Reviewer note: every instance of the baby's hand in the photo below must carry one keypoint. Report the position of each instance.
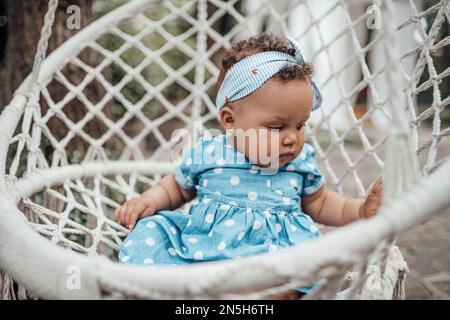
(134, 209)
(373, 200)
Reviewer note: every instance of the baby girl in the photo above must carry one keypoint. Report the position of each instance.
(253, 193)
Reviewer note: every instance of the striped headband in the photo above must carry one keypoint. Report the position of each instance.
(250, 73)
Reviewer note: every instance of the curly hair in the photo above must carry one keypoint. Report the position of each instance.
(265, 41)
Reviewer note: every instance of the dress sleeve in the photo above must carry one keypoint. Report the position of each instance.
(313, 179)
(186, 171)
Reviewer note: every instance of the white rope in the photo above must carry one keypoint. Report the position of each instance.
(46, 32)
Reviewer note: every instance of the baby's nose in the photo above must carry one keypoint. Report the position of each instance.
(290, 139)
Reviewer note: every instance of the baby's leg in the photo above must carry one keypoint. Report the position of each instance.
(151, 242)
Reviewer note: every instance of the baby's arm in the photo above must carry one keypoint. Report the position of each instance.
(167, 194)
(330, 208)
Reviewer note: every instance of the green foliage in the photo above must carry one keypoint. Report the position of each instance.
(152, 72)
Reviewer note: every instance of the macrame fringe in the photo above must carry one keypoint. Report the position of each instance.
(7, 287)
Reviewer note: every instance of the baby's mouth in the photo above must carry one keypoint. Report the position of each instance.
(286, 156)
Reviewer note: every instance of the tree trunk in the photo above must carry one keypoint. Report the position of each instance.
(25, 20)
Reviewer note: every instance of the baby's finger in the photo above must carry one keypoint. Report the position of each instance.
(117, 214)
(126, 215)
(132, 217)
(378, 186)
(122, 213)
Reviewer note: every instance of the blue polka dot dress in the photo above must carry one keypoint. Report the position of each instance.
(240, 210)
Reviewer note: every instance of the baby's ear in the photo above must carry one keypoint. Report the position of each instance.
(227, 117)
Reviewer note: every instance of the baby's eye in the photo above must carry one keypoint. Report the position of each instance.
(300, 126)
(274, 128)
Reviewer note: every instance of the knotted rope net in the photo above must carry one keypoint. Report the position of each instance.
(156, 68)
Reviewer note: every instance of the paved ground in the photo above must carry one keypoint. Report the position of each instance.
(426, 248)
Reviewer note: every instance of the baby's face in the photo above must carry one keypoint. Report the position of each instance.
(276, 114)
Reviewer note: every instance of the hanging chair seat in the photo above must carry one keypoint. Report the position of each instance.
(47, 269)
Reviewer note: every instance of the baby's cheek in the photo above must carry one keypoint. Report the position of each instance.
(273, 144)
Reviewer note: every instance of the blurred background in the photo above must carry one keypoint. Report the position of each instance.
(426, 247)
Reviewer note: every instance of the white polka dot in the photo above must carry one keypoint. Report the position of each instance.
(217, 170)
(217, 193)
(150, 241)
(293, 228)
(310, 176)
(184, 248)
(253, 170)
(198, 255)
(221, 246)
(279, 192)
(249, 210)
(240, 235)
(193, 240)
(229, 222)
(151, 224)
(302, 156)
(310, 190)
(205, 182)
(225, 207)
(210, 148)
(273, 248)
(195, 202)
(278, 227)
(210, 234)
(267, 213)
(148, 261)
(286, 200)
(290, 167)
(257, 224)
(252, 195)
(220, 162)
(282, 214)
(268, 183)
(206, 200)
(172, 251)
(128, 243)
(173, 230)
(188, 161)
(159, 217)
(268, 242)
(189, 223)
(209, 218)
(313, 228)
(125, 258)
(293, 182)
(234, 180)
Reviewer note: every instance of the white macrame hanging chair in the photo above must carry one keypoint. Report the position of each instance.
(46, 209)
